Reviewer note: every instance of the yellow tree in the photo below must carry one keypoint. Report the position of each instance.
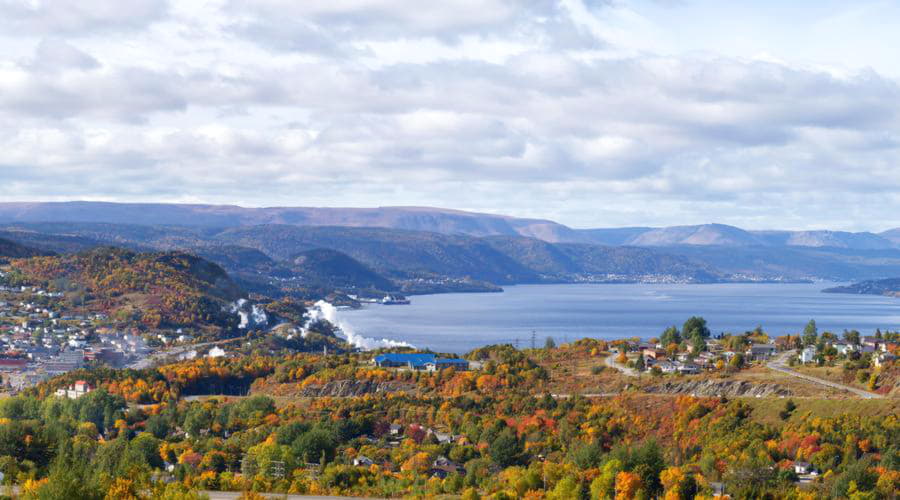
(627, 485)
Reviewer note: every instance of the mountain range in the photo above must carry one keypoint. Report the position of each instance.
(425, 249)
(436, 220)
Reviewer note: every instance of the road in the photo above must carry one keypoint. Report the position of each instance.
(610, 361)
(233, 495)
(779, 364)
(162, 354)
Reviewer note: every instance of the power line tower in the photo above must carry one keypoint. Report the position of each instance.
(533, 333)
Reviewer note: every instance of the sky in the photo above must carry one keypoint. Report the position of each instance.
(593, 113)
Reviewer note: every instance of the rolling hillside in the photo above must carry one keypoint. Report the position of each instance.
(13, 250)
(889, 287)
(157, 289)
(329, 268)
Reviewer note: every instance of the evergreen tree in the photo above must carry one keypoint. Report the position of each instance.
(670, 336)
(695, 325)
(639, 364)
(810, 333)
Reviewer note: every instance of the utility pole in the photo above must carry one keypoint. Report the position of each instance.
(517, 343)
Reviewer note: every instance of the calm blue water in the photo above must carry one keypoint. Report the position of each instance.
(461, 322)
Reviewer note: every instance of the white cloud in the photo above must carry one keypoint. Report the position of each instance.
(504, 106)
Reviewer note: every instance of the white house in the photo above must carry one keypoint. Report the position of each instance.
(881, 359)
(808, 355)
(802, 468)
(845, 349)
(80, 388)
(216, 352)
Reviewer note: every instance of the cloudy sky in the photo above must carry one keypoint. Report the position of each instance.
(594, 113)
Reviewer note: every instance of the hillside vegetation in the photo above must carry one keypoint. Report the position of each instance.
(155, 289)
(337, 425)
(11, 249)
(890, 287)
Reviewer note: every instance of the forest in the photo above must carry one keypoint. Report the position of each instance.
(491, 433)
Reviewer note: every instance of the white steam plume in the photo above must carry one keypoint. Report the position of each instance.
(324, 310)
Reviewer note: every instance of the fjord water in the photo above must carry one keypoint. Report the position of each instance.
(461, 322)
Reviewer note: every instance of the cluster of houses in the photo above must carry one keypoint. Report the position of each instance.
(441, 467)
(422, 361)
(689, 362)
(38, 340)
(880, 350)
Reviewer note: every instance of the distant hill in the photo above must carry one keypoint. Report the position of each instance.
(401, 254)
(50, 243)
(13, 250)
(890, 287)
(410, 218)
(892, 235)
(389, 252)
(831, 239)
(327, 267)
(794, 263)
(157, 289)
(706, 235)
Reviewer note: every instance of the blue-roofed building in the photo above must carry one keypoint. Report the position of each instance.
(418, 361)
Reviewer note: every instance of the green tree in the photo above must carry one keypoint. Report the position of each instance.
(588, 456)
(671, 335)
(549, 343)
(851, 336)
(604, 485)
(698, 344)
(506, 449)
(315, 444)
(695, 325)
(639, 363)
(810, 333)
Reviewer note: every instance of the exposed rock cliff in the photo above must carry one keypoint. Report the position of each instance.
(729, 388)
(352, 388)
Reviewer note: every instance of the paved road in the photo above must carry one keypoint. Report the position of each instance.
(158, 356)
(779, 364)
(232, 495)
(610, 361)
(587, 395)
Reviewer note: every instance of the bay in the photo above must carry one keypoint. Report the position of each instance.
(461, 322)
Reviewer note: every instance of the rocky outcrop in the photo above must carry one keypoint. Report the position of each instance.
(730, 388)
(353, 388)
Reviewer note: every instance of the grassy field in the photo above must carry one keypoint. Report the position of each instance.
(766, 410)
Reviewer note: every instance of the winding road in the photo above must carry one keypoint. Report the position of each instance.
(779, 364)
(610, 361)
